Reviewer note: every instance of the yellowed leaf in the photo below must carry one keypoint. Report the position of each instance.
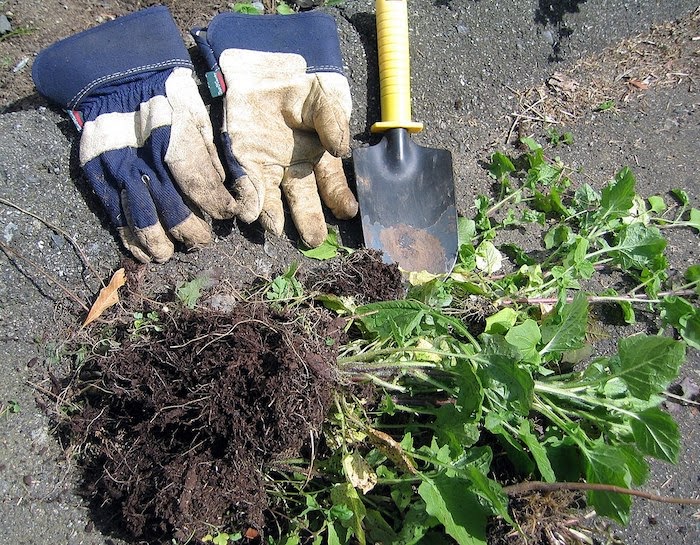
(392, 450)
(359, 472)
(108, 296)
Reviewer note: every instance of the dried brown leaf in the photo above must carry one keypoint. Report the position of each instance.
(108, 297)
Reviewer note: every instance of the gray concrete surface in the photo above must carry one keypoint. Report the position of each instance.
(469, 57)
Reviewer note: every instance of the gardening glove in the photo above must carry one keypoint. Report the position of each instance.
(286, 115)
(145, 133)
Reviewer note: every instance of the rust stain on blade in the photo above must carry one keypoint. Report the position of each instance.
(413, 249)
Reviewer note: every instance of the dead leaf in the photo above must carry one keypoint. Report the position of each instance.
(108, 297)
(359, 472)
(251, 533)
(639, 84)
(391, 449)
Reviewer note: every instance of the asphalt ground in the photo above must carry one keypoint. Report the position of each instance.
(472, 63)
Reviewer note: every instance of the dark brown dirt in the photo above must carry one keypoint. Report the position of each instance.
(176, 423)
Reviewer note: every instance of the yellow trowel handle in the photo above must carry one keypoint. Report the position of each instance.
(394, 67)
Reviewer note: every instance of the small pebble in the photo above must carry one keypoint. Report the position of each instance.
(5, 25)
(27, 480)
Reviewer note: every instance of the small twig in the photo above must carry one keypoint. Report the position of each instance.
(58, 230)
(11, 251)
(532, 486)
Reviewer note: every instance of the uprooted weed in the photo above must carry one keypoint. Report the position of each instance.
(176, 415)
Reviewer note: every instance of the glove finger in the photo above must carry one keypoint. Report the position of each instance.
(268, 178)
(299, 186)
(108, 175)
(191, 153)
(176, 217)
(250, 190)
(332, 107)
(333, 187)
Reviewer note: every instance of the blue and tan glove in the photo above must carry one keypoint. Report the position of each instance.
(146, 143)
(287, 110)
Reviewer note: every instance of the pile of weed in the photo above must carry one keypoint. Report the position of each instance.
(179, 422)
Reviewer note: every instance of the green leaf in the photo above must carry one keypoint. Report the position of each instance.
(637, 246)
(684, 316)
(502, 321)
(681, 196)
(451, 501)
(345, 494)
(327, 250)
(657, 204)
(416, 523)
(694, 220)
(248, 8)
(284, 9)
(517, 254)
(500, 166)
(506, 384)
(656, 434)
(570, 332)
(649, 363)
(190, 292)
(692, 273)
(605, 465)
(617, 197)
(538, 451)
(525, 337)
(488, 258)
(466, 230)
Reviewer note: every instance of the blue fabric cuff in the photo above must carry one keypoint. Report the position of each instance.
(146, 41)
(313, 35)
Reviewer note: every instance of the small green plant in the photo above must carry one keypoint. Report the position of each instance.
(285, 287)
(10, 407)
(330, 248)
(606, 105)
(143, 323)
(258, 8)
(556, 139)
(189, 293)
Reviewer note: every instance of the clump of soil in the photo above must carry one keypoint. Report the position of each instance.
(185, 411)
(178, 425)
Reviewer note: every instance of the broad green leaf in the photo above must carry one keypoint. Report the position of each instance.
(507, 385)
(454, 428)
(502, 321)
(538, 451)
(681, 196)
(517, 254)
(637, 246)
(692, 273)
(656, 434)
(452, 502)
(657, 204)
(490, 491)
(488, 258)
(617, 197)
(570, 332)
(694, 220)
(525, 337)
(585, 197)
(345, 495)
(416, 523)
(378, 529)
(466, 230)
(327, 250)
(690, 329)
(649, 363)
(500, 166)
(605, 465)
(402, 319)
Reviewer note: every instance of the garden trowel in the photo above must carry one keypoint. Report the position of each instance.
(406, 191)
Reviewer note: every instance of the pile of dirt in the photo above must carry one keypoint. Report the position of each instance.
(177, 416)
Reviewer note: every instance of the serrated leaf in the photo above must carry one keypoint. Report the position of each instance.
(637, 246)
(649, 363)
(570, 332)
(328, 249)
(451, 501)
(617, 197)
(656, 434)
(605, 465)
(107, 297)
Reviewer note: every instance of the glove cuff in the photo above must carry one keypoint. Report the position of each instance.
(312, 35)
(146, 41)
